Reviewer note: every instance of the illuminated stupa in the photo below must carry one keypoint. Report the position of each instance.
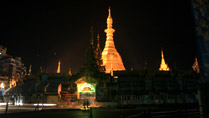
(163, 65)
(111, 58)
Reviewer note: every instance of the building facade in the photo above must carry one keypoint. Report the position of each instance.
(12, 70)
(157, 87)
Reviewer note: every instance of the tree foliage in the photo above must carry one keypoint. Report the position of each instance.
(93, 63)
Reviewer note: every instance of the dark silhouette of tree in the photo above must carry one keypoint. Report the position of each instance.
(93, 63)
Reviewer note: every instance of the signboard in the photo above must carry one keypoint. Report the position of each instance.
(86, 87)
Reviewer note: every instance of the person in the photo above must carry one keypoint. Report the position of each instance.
(87, 103)
(84, 104)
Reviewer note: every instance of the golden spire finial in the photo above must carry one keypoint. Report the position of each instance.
(109, 12)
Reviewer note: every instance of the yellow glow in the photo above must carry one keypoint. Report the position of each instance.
(2, 85)
(163, 65)
(81, 83)
(111, 58)
(12, 83)
(116, 77)
(58, 68)
(86, 87)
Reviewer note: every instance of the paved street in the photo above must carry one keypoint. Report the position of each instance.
(48, 114)
(55, 112)
(76, 112)
(16, 109)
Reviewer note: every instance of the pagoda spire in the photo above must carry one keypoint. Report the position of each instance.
(30, 68)
(98, 42)
(163, 65)
(109, 15)
(196, 66)
(98, 53)
(70, 72)
(110, 56)
(58, 68)
(109, 22)
(92, 35)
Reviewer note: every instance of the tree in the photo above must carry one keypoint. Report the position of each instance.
(93, 63)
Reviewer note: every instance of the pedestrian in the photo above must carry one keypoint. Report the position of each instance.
(84, 104)
(87, 103)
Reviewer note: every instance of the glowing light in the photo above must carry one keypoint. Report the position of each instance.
(12, 83)
(85, 108)
(110, 56)
(19, 103)
(2, 85)
(3, 104)
(44, 104)
(116, 77)
(86, 87)
(163, 65)
(58, 68)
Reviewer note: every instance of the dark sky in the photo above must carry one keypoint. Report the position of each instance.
(36, 30)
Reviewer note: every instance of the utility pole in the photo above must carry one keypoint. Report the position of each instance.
(7, 105)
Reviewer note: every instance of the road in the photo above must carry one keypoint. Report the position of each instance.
(52, 112)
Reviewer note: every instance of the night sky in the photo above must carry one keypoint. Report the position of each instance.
(42, 33)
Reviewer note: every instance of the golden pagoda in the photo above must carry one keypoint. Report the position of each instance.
(58, 68)
(110, 56)
(163, 65)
